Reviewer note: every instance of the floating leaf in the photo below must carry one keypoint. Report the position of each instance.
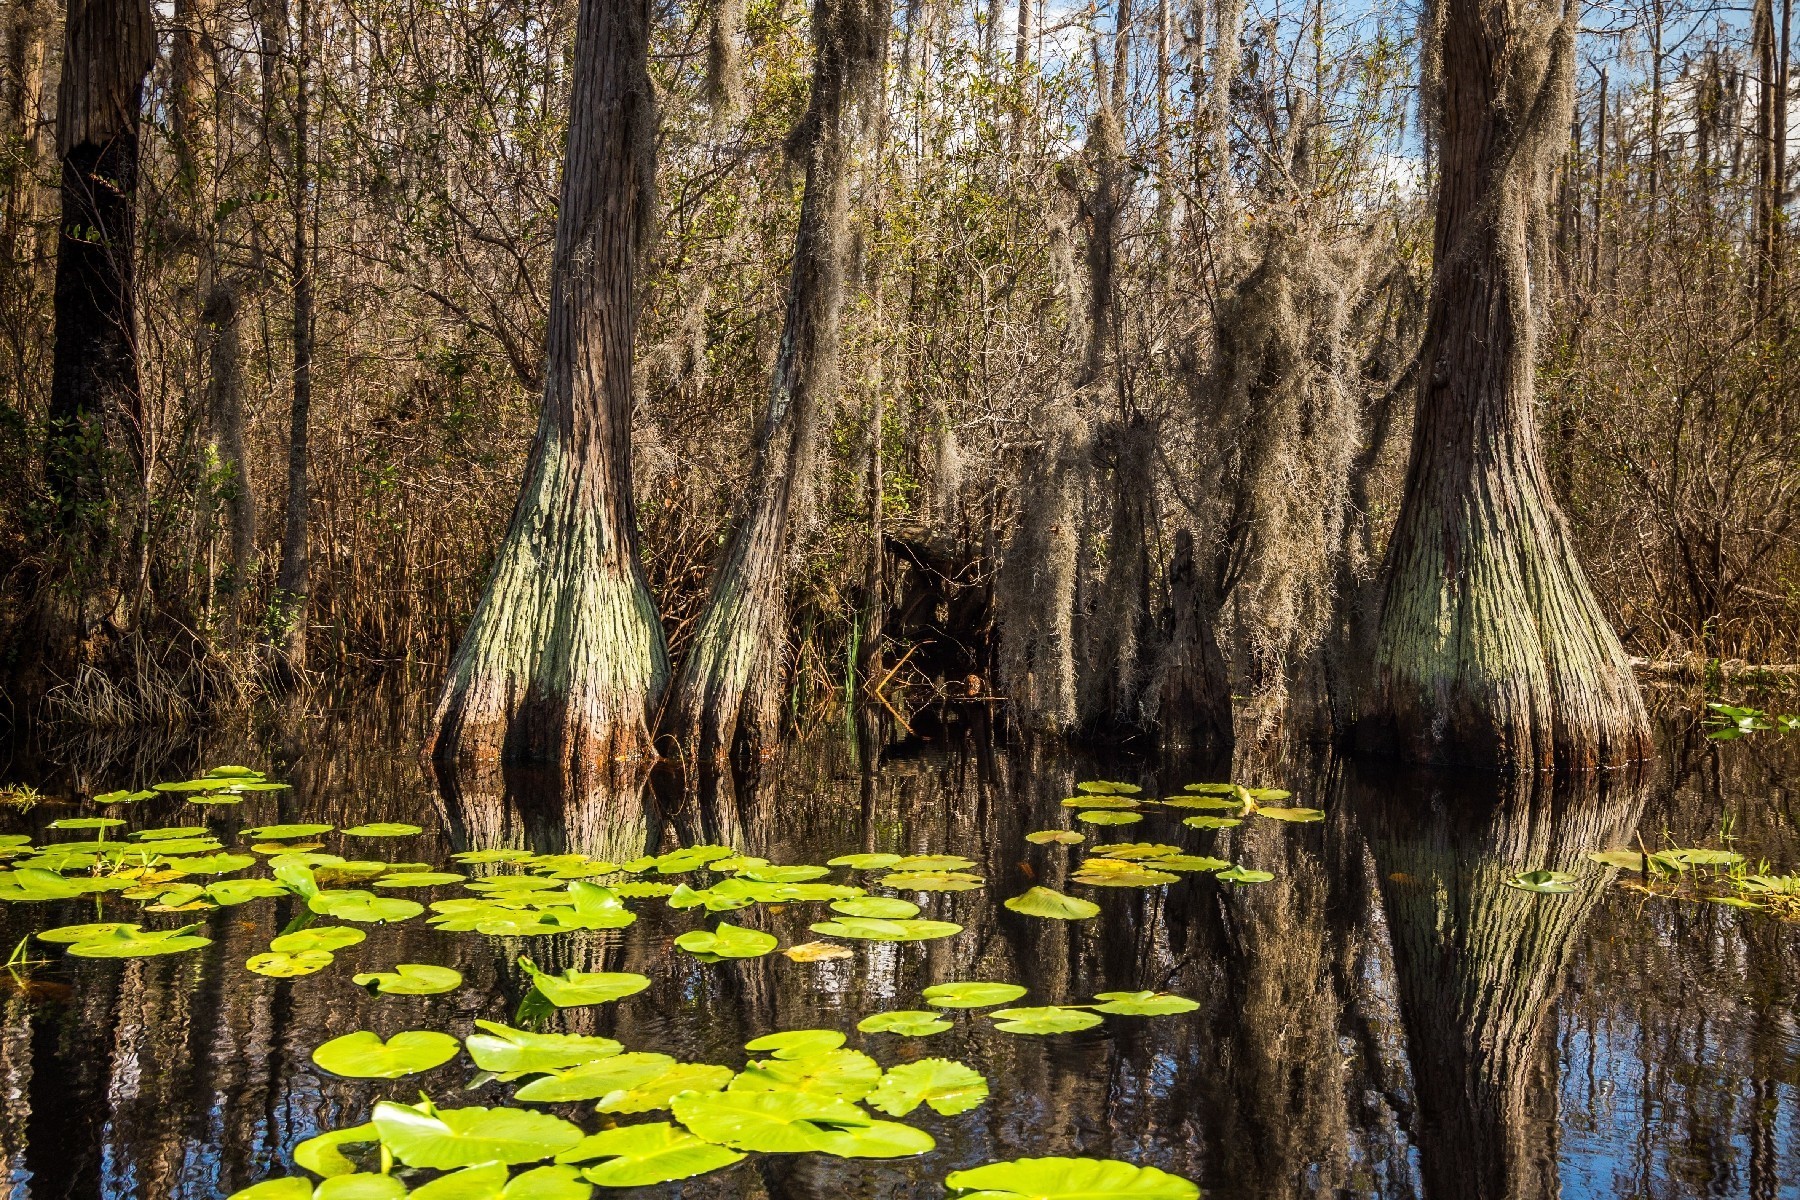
(1068, 1179)
(321, 1155)
(412, 979)
(817, 951)
(795, 1123)
(363, 1055)
(446, 1138)
(129, 941)
(888, 907)
(1098, 803)
(864, 862)
(282, 833)
(67, 935)
(727, 941)
(946, 1086)
(294, 1188)
(573, 989)
(318, 937)
(1295, 815)
(848, 1074)
(278, 965)
(1244, 875)
(1541, 880)
(379, 829)
(353, 904)
(1701, 858)
(934, 862)
(904, 1023)
(592, 1080)
(784, 874)
(1102, 817)
(1046, 902)
(1214, 803)
(1629, 860)
(1065, 837)
(875, 929)
(1143, 1004)
(210, 864)
(1211, 822)
(1111, 872)
(641, 1155)
(242, 891)
(932, 881)
(796, 1043)
(511, 1052)
(87, 823)
(690, 859)
(491, 856)
(1107, 787)
(971, 994)
(413, 879)
(361, 1186)
(658, 1093)
(1049, 1019)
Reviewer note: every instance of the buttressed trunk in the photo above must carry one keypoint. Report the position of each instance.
(729, 687)
(1492, 649)
(95, 426)
(564, 656)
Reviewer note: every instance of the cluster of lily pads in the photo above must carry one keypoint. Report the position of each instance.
(1715, 876)
(1728, 721)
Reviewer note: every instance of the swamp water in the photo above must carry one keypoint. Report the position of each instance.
(1394, 1012)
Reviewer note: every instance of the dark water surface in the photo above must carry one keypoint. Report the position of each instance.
(1385, 1018)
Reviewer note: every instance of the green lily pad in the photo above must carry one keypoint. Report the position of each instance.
(1060, 1018)
(887, 907)
(592, 1080)
(293, 1188)
(382, 829)
(784, 874)
(1143, 1004)
(123, 796)
(642, 1155)
(1212, 803)
(321, 1155)
(1212, 822)
(906, 1023)
(488, 1181)
(1108, 787)
(932, 881)
(412, 979)
(971, 994)
(796, 1043)
(317, 937)
(1244, 875)
(1107, 872)
(129, 941)
(864, 862)
(847, 1074)
(1629, 860)
(282, 833)
(1062, 837)
(1702, 858)
(934, 862)
(1542, 881)
(1098, 802)
(242, 891)
(946, 1086)
(491, 856)
(1103, 817)
(727, 941)
(447, 1138)
(1068, 1179)
(876, 929)
(1046, 902)
(1295, 815)
(278, 965)
(68, 935)
(414, 879)
(658, 1093)
(87, 823)
(795, 1123)
(206, 864)
(361, 1186)
(573, 989)
(363, 1055)
(353, 904)
(511, 1052)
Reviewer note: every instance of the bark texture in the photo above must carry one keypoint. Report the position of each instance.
(1493, 650)
(729, 692)
(95, 411)
(564, 657)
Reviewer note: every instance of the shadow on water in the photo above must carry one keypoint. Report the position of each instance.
(1384, 1018)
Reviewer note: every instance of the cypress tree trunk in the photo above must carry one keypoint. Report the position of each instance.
(95, 414)
(728, 691)
(565, 657)
(1492, 648)
(293, 578)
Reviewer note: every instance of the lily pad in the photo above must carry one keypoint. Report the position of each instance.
(282, 833)
(795, 1123)
(971, 994)
(87, 823)
(412, 979)
(1108, 872)
(1068, 1179)
(1143, 1004)
(381, 829)
(1046, 902)
(353, 904)
(68, 935)
(317, 937)
(1629, 860)
(906, 1023)
(363, 1055)
(242, 891)
(1049, 1019)
(1108, 787)
(1100, 802)
(864, 862)
(1542, 881)
(361, 1186)
(818, 951)
(487, 1181)
(321, 1155)
(947, 1087)
(934, 862)
(414, 879)
(1212, 822)
(932, 881)
(278, 965)
(642, 1155)
(847, 1074)
(1295, 815)
(602, 1077)
(727, 941)
(888, 907)
(446, 1138)
(796, 1043)
(1103, 817)
(660, 1092)
(512, 1052)
(573, 989)
(1214, 803)
(1244, 875)
(293, 1188)
(129, 941)
(876, 929)
(1062, 837)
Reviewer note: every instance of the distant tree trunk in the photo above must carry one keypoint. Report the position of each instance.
(293, 578)
(1492, 649)
(1192, 689)
(1762, 39)
(729, 686)
(95, 437)
(564, 658)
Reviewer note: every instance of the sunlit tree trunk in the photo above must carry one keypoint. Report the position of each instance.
(293, 577)
(95, 438)
(1493, 650)
(564, 657)
(730, 685)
